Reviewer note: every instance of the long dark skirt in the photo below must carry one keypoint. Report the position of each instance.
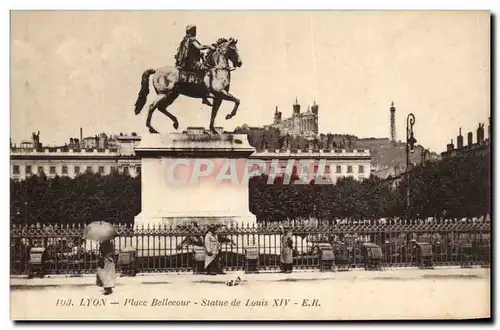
(214, 267)
(106, 275)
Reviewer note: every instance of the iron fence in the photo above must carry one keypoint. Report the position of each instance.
(169, 249)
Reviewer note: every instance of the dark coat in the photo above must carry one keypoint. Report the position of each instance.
(286, 256)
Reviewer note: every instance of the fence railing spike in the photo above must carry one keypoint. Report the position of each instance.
(155, 246)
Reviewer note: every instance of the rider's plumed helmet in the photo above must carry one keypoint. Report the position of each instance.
(191, 30)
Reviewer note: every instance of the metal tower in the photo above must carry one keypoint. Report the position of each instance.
(393, 122)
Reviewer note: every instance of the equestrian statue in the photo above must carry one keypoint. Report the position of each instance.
(200, 72)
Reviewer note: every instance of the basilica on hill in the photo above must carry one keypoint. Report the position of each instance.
(299, 124)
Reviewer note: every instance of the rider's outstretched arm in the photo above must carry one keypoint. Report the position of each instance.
(197, 44)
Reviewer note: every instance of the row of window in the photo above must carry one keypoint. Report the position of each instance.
(338, 168)
(100, 169)
(77, 169)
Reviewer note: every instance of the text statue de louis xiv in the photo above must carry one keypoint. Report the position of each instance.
(199, 72)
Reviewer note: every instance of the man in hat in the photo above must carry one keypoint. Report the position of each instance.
(189, 55)
(212, 246)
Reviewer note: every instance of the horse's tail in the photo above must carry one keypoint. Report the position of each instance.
(143, 93)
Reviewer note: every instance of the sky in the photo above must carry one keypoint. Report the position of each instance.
(83, 69)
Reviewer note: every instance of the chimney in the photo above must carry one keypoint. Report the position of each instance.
(489, 129)
(480, 134)
(469, 139)
(81, 134)
(450, 146)
(460, 139)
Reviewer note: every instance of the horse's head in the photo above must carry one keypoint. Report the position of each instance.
(228, 48)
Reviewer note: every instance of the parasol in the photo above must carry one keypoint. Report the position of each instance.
(100, 231)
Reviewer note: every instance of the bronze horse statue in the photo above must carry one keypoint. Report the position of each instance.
(215, 85)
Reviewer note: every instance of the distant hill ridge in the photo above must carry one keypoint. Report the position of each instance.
(385, 153)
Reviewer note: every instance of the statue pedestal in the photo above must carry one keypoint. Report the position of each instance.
(194, 177)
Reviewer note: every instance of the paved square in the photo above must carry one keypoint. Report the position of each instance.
(402, 293)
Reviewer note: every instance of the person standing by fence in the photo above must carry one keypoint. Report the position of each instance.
(106, 274)
(212, 246)
(286, 256)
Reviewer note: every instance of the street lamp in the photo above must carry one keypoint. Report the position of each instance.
(410, 143)
(26, 213)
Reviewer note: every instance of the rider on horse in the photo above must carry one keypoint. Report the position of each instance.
(170, 81)
(189, 55)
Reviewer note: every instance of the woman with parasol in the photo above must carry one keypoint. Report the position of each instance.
(104, 232)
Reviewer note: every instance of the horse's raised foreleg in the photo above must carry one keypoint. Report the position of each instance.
(215, 109)
(206, 102)
(225, 95)
(163, 108)
(208, 96)
(152, 108)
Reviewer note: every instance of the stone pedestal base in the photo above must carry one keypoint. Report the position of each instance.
(142, 221)
(194, 177)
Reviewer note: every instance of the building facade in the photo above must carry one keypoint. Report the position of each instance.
(481, 146)
(65, 161)
(303, 124)
(326, 164)
(70, 162)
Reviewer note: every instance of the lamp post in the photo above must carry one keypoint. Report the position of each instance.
(26, 213)
(410, 142)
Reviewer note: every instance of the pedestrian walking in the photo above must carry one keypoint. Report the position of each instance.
(106, 273)
(104, 232)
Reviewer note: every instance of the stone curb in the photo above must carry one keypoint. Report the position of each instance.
(186, 278)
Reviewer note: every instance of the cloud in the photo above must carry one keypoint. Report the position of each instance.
(122, 44)
(23, 52)
(88, 62)
(70, 51)
(77, 72)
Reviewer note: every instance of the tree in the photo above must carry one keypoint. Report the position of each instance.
(88, 197)
(458, 187)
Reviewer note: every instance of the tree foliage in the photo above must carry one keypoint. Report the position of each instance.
(459, 187)
(88, 197)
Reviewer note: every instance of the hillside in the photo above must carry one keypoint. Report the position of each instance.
(384, 152)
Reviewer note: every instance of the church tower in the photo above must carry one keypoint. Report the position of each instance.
(315, 109)
(277, 116)
(296, 108)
